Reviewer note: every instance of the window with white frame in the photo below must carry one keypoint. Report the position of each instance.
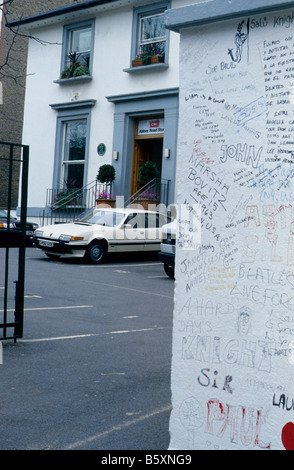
(74, 151)
(71, 146)
(77, 54)
(80, 43)
(150, 37)
(152, 34)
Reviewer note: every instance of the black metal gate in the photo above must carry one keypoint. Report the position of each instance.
(14, 160)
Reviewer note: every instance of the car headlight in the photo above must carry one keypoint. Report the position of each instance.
(69, 238)
(5, 225)
(64, 238)
(38, 233)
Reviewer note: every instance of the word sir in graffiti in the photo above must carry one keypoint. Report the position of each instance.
(205, 381)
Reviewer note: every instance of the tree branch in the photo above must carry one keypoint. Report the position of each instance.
(7, 69)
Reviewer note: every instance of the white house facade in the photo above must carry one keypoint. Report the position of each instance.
(108, 112)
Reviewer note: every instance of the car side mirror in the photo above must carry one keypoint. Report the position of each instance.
(127, 226)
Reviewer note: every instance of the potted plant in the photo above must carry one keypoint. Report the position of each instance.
(156, 57)
(148, 171)
(66, 194)
(74, 68)
(61, 198)
(106, 176)
(80, 71)
(141, 59)
(105, 199)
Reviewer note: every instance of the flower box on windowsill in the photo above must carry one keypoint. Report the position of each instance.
(146, 68)
(156, 59)
(137, 62)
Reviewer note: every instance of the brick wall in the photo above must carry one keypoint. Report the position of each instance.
(13, 79)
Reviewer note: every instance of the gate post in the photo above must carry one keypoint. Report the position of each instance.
(12, 238)
(20, 284)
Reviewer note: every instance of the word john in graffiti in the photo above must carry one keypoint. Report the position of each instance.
(243, 153)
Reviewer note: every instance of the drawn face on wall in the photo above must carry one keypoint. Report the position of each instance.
(271, 231)
(244, 320)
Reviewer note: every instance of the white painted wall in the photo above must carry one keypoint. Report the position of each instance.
(232, 380)
(39, 119)
(1, 58)
(112, 48)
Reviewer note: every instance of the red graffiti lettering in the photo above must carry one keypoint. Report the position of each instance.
(237, 422)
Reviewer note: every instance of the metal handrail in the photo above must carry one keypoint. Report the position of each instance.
(132, 199)
(72, 205)
(160, 188)
(81, 200)
(70, 195)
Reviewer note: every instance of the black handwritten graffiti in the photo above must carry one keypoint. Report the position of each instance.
(286, 403)
(242, 152)
(206, 381)
(240, 39)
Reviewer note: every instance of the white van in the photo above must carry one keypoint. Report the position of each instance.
(168, 248)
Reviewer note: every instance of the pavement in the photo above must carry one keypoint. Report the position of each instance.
(92, 371)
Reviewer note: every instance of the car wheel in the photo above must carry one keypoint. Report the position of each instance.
(169, 270)
(96, 252)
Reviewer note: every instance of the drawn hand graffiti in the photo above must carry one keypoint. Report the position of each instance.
(240, 39)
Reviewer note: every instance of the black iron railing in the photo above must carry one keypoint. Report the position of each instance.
(151, 194)
(64, 205)
(11, 324)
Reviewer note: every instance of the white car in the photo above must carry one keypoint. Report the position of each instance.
(104, 231)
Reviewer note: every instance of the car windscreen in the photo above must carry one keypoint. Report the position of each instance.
(108, 218)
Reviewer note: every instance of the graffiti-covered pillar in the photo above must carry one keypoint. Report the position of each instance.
(233, 334)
